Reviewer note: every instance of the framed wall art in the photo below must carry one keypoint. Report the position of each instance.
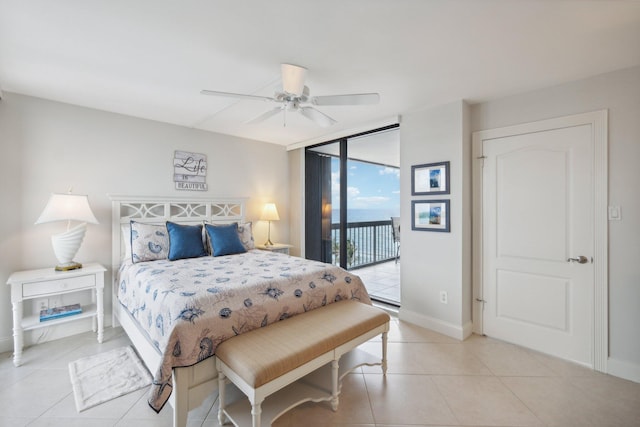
(430, 215)
(429, 179)
(190, 171)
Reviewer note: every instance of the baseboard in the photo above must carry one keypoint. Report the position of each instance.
(619, 368)
(459, 332)
(6, 344)
(467, 330)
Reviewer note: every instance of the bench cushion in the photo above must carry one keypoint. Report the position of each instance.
(267, 353)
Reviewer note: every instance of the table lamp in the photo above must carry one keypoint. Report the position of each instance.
(68, 207)
(269, 213)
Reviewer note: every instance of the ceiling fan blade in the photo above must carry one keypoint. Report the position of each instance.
(293, 78)
(236, 95)
(352, 99)
(320, 118)
(264, 116)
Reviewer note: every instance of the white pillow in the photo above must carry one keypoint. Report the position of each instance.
(149, 242)
(246, 235)
(126, 240)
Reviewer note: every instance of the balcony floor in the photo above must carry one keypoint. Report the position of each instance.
(382, 281)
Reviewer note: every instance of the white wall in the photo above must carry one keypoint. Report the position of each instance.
(48, 147)
(296, 196)
(433, 261)
(619, 92)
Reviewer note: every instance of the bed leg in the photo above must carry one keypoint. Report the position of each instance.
(180, 398)
(334, 384)
(384, 353)
(221, 398)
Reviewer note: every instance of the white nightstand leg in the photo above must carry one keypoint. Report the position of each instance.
(17, 333)
(100, 313)
(94, 319)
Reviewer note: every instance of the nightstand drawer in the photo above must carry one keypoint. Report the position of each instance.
(56, 286)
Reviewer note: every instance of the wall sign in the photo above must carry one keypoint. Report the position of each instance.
(190, 171)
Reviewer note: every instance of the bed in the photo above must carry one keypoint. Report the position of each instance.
(177, 311)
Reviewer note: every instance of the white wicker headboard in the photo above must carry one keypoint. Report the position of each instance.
(158, 210)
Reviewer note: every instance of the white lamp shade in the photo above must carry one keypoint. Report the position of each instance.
(270, 213)
(67, 207)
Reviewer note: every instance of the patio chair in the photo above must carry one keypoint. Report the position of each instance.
(395, 229)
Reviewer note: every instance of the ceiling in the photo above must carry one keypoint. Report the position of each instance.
(382, 148)
(151, 58)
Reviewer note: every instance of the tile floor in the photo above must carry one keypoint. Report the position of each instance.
(432, 380)
(382, 281)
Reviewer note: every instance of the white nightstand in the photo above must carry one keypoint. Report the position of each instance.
(47, 282)
(282, 248)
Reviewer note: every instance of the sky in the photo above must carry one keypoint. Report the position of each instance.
(369, 186)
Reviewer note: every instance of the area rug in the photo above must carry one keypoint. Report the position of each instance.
(105, 376)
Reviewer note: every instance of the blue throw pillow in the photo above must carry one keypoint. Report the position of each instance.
(224, 239)
(185, 241)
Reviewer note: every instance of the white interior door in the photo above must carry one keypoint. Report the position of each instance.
(537, 214)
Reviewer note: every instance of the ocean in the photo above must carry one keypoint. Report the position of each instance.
(371, 243)
(361, 215)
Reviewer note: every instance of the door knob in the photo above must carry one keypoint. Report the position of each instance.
(580, 260)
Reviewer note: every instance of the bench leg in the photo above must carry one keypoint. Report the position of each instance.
(334, 384)
(384, 353)
(221, 398)
(256, 412)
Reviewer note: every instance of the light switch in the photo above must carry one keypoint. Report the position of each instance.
(614, 213)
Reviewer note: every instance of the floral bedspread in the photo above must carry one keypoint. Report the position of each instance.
(187, 307)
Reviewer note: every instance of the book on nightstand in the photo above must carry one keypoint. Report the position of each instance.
(58, 312)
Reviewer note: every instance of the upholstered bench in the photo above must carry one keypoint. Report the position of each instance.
(266, 360)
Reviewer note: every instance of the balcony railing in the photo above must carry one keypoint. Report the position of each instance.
(368, 243)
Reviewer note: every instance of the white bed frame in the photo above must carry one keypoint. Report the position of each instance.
(191, 385)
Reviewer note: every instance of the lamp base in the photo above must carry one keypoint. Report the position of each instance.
(66, 245)
(68, 266)
(269, 242)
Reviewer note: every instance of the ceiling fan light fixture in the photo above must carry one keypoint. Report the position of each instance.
(293, 77)
(296, 97)
(291, 106)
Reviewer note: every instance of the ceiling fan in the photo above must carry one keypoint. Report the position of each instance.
(295, 97)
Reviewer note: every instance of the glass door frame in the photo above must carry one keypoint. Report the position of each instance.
(343, 150)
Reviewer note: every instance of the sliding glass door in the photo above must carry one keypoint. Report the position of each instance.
(373, 198)
(352, 192)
